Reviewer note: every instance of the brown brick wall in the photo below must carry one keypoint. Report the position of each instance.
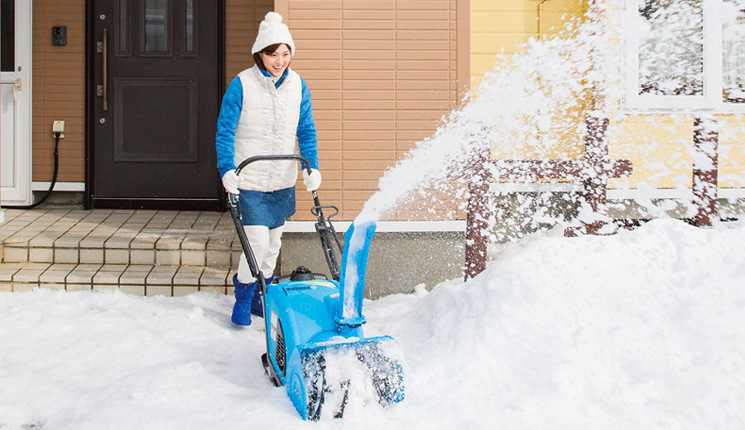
(381, 73)
(58, 89)
(242, 20)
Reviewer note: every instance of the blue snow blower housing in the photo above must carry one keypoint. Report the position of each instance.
(314, 338)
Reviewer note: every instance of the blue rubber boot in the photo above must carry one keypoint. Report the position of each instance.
(244, 294)
(257, 307)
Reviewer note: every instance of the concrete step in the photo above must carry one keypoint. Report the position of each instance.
(141, 252)
(140, 279)
(194, 250)
(180, 241)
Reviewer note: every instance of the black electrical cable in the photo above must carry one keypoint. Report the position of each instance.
(54, 178)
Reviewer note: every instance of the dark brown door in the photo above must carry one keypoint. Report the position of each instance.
(155, 89)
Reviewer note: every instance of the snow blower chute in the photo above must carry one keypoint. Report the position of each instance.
(314, 339)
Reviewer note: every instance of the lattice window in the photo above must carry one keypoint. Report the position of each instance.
(685, 54)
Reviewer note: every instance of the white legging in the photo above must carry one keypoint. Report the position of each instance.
(265, 244)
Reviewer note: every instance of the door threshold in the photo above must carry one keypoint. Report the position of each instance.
(179, 204)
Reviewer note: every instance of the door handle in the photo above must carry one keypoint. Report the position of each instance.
(102, 90)
(17, 86)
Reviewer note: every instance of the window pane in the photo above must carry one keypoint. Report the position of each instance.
(8, 35)
(733, 51)
(189, 42)
(123, 27)
(156, 29)
(671, 52)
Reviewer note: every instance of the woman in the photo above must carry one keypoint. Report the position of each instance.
(263, 111)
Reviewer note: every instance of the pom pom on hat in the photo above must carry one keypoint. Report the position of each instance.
(273, 18)
(271, 31)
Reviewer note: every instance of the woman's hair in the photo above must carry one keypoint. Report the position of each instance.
(269, 50)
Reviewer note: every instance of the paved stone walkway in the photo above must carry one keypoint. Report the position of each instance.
(142, 252)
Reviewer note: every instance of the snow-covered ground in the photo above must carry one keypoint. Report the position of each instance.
(642, 330)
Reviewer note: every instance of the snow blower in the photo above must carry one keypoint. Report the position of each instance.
(315, 345)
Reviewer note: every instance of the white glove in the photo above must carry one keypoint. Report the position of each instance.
(312, 180)
(230, 181)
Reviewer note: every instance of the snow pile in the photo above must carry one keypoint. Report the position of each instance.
(639, 330)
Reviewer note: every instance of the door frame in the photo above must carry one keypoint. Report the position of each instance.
(90, 97)
(21, 193)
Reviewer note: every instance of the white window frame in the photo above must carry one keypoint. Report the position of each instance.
(710, 101)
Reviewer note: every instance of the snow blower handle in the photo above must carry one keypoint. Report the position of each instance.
(287, 157)
(235, 212)
(329, 239)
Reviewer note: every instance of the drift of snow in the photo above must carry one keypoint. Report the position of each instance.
(640, 330)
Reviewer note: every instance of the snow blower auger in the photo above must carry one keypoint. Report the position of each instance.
(314, 339)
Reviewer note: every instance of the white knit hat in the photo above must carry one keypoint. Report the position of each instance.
(271, 31)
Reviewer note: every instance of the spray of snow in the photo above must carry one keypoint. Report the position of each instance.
(534, 103)
(525, 105)
(521, 104)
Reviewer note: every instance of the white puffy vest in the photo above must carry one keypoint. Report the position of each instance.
(267, 126)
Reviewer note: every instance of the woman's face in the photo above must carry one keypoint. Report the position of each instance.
(276, 63)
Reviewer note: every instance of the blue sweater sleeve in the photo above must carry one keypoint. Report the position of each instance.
(227, 121)
(306, 129)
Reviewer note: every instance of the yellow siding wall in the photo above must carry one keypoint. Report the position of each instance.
(660, 147)
(656, 144)
(242, 20)
(504, 25)
(553, 14)
(58, 89)
(731, 151)
(496, 26)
